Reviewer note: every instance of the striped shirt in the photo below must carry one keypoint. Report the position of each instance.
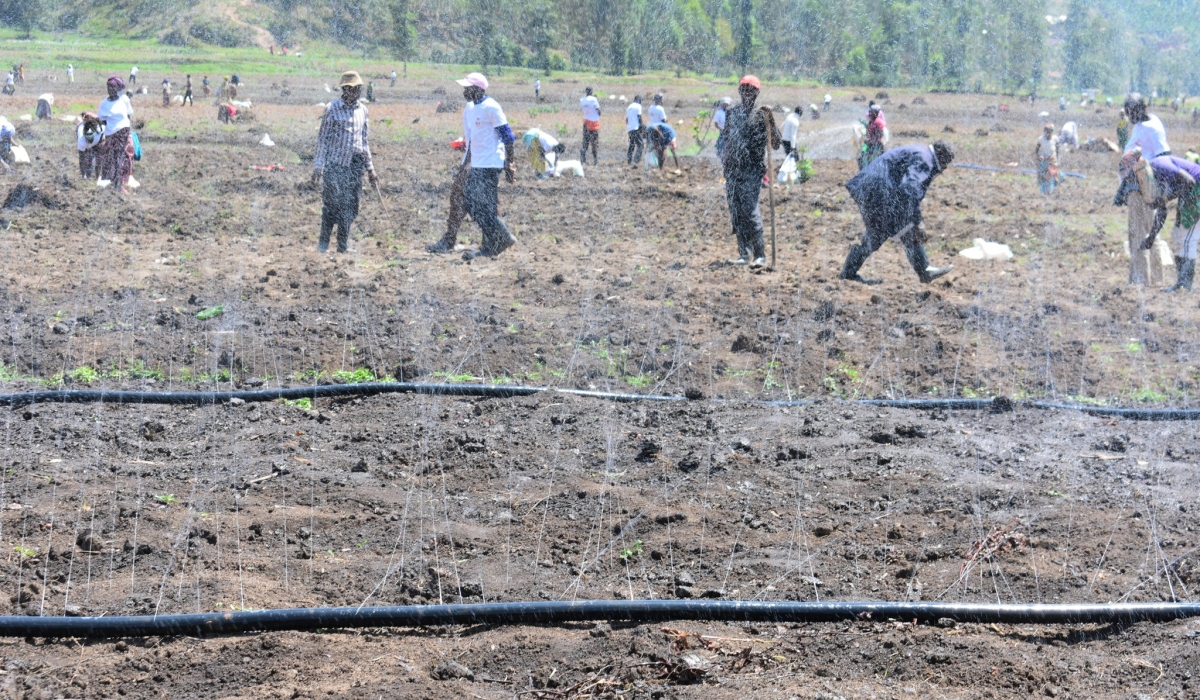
(343, 134)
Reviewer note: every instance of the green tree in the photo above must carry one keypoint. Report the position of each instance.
(744, 53)
(541, 33)
(404, 33)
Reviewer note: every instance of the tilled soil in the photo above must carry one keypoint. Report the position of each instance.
(618, 283)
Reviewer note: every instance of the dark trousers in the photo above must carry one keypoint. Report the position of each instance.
(637, 143)
(590, 138)
(187, 97)
(741, 194)
(339, 199)
(787, 148)
(88, 163)
(482, 194)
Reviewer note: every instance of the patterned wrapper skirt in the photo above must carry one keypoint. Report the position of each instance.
(116, 157)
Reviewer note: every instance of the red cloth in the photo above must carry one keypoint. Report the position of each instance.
(591, 125)
(875, 129)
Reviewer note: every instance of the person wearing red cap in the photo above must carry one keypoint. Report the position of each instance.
(489, 151)
(743, 160)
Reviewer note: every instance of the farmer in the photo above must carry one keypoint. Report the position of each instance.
(541, 145)
(88, 136)
(45, 102)
(791, 130)
(116, 149)
(1122, 130)
(458, 205)
(635, 129)
(537, 90)
(590, 105)
(872, 146)
(343, 154)
(227, 113)
(70, 73)
(1179, 179)
(166, 92)
(747, 130)
(393, 77)
(7, 132)
(133, 75)
(828, 99)
(1148, 140)
(1062, 104)
(489, 150)
(1046, 152)
(1147, 131)
(370, 93)
(889, 194)
(720, 112)
(10, 87)
(662, 136)
(1068, 135)
(204, 86)
(187, 92)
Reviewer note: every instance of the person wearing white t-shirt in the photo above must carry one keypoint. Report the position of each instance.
(116, 150)
(489, 141)
(590, 105)
(133, 75)
(719, 115)
(1146, 130)
(828, 99)
(636, 131)
(70, 73)
(88, 135)
(790, 131)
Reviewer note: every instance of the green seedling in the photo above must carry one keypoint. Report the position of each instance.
(211, 312)
(167, 499)
(25, 552)
(631, 552)
(305, 404)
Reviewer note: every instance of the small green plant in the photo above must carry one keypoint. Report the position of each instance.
(640, 381)
(631, 552)
(83, 375)
(167, 499)
(304, 403)
(211, 312)
(25, 552)
(357, 376)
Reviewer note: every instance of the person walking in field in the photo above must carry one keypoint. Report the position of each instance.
(133, 73)
(1046, 152)
(791, 130)
(166, 92)
(537, 90)
(889, 193)
(635, 129)
(187, 91)
(116, 148)
(204, 87)
(828, 101)
(749, 131)
(590, 105)
(1177, 179)
(343, 155)
(873, 144)
(489, 140)
(720, 111)
(393, 77)
(70, 73)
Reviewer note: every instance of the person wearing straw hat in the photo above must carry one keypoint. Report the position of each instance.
(489, 141)
(343, 155)
(747, 130)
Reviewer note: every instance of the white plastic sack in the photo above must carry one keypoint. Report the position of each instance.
(20, 155)
(241, 105)
(568, 166)
(787, 171)
(178, 99)
(987, 250)
(266, 140)
(26, 117)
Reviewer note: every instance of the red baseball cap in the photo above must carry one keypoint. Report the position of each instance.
(753, 81)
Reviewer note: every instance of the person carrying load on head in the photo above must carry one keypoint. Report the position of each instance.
(544, 151)
(889, 194)
(88, 135)
(749, 132)
(1046, 151)
(343, 155)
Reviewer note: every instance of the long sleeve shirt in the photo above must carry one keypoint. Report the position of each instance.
(342, 135)
(889, 190)
(746, 141)
(1151, 135)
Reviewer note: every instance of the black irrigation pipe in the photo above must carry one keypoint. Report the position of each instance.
(510, 390)
(536, 613)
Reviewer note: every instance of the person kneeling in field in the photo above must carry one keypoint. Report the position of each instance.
(889, 193)
(227, 113)
(541, 145)
(1174, 178)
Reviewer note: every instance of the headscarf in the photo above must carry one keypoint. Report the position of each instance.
(116, 82)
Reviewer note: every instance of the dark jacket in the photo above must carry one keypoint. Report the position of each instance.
(889, 190)
(745, 142)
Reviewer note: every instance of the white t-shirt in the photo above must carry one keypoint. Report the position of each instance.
(479, 129)
(633, 115)
(133, 71)
(6, 129)
(591, 108)
(1069, 134)
(1150, 135)
(828, 98)
(658, 115)
(81, 141)
(791, 125)
(1047, 147)
(115, 113)
(719, 119)
(548, 142)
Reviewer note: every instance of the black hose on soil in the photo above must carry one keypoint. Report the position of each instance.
(535, 613)
(998, 404)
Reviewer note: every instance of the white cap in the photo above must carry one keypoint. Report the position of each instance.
(474, 79)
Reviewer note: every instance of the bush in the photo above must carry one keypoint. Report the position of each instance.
(174, 38)
(220, 33)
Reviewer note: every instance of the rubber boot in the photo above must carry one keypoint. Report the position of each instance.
(1185, 272)
(854, 260)
(920, 262)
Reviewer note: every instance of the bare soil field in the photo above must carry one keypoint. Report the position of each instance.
(620, 283)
